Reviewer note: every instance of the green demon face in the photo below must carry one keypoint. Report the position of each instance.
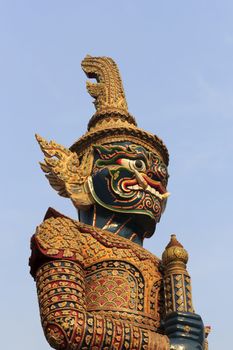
(127, 178)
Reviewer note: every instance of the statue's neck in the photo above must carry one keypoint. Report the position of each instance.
(124, 225)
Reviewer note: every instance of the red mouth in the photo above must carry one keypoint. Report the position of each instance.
(155, 184)
(152, 183)
(129, 182)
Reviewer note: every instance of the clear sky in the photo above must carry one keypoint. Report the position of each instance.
(176, 61)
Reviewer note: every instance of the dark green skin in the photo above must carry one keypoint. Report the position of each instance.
(112, 199)
(109, 177)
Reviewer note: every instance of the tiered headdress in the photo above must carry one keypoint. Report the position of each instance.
(112, 122)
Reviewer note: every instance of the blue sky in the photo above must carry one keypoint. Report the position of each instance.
(176, 61)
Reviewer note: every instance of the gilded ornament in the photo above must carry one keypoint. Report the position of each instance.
(66, 173)
(174, 253)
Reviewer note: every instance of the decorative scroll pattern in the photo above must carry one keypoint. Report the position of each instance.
(126, 178)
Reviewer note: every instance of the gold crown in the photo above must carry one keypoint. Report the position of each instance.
(112, 122)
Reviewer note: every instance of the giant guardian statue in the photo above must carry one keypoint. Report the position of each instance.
(98, 288)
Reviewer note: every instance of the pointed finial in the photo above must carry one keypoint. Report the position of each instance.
(174, 253)
(108, 90)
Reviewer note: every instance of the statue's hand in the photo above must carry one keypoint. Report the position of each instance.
(185, 331)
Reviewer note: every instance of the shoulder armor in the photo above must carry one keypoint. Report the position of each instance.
(60, 238)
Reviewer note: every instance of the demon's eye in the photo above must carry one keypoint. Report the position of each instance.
(137, 164)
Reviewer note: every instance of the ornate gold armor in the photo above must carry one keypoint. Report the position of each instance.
(103, 288)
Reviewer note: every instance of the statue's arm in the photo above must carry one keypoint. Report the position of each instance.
(67, 324)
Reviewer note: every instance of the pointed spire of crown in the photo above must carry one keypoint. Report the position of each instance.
(108, 91)
(112, 122)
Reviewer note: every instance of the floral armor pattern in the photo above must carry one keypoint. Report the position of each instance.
(96, 290)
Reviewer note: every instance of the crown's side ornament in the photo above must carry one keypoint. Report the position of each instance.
(98, 288)
(66, 173)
